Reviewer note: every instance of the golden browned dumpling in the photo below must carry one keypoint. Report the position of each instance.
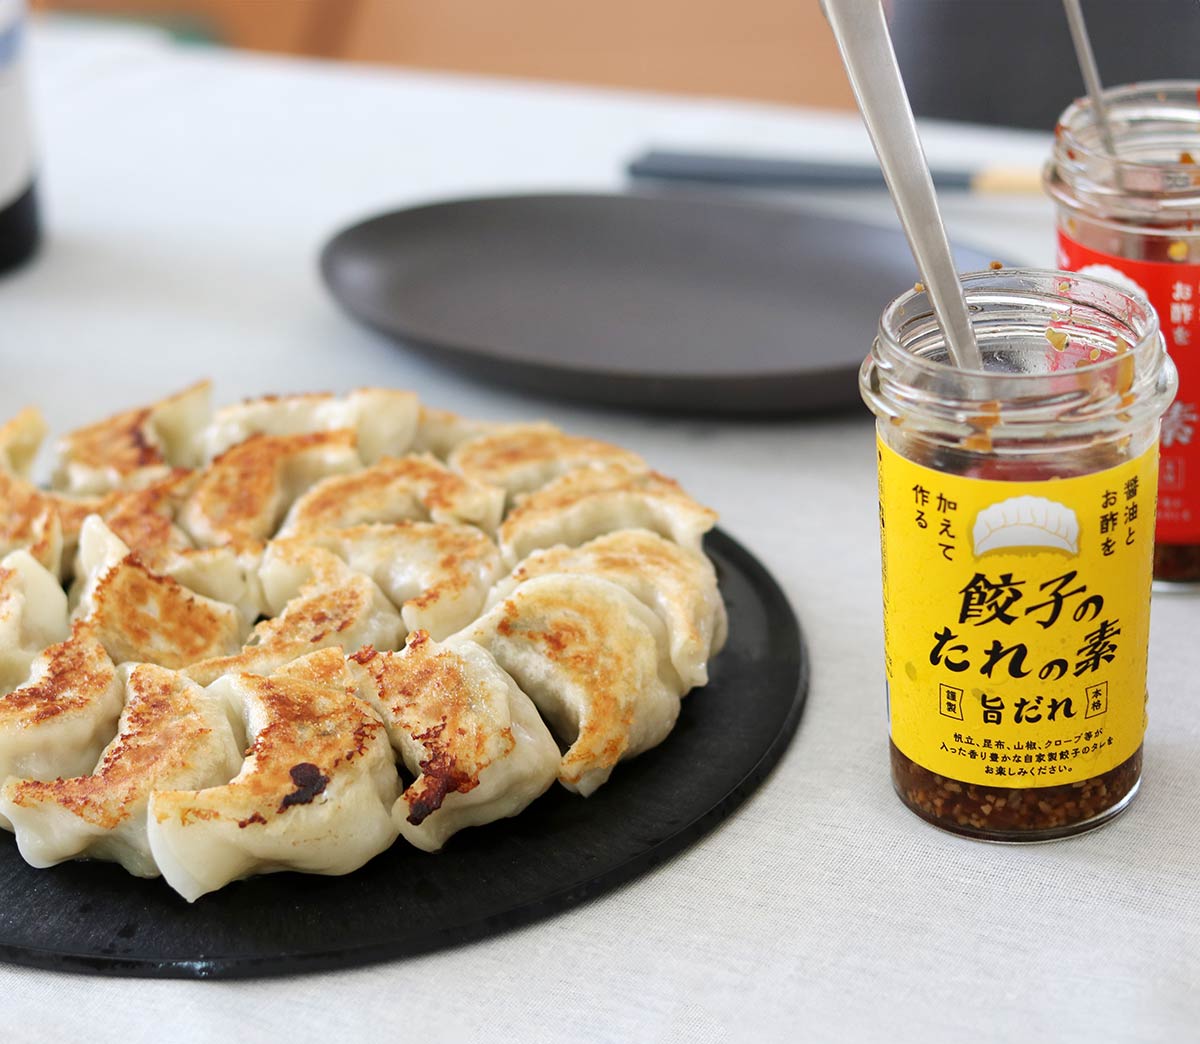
(172, 734)
(594, 661)
(315, 792)
(383, 420)
(436, 575)
(136, 446)
(140, 615)
(416, 487)
(251, 575)
(243, 495)
(524, 457)
(472, 739)
(440, 431)
(589, 502)
(44, 524)
(57, 723)
(144, 520)
(678, 584)
(316, 602)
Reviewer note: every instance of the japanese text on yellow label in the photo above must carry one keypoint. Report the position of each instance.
(1016, 620)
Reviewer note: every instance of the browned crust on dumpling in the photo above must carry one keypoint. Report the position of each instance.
(144, 519)
(428, 694)
(141, 518)
(79, 672)
(457, 550)
(569, 488)
(431, 483)
(490, 457)
(308, 725)
(143, 616)
(237, 490)
(312, 729)
(585, 639)
(585, 483)
(311, 620)
(24, 509)
(626, 552)
(161, 730)
(120, 443)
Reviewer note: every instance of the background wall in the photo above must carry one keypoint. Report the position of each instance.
(773, 50)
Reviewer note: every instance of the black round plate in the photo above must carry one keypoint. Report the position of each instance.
(93, 917)
(671, 303)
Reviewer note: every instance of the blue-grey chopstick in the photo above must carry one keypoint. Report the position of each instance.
(772, 172)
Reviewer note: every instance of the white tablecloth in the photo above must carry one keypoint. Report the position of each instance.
(187, 193)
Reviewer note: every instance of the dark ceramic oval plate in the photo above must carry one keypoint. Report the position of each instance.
(93, 917)
(671, 303)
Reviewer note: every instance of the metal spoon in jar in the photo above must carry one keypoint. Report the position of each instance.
(862, 37)
(1091, 72)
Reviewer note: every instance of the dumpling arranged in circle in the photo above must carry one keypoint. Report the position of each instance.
(285, 634)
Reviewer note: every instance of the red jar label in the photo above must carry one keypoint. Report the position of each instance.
(1174, 290)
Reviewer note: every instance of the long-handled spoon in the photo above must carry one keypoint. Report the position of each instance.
(862, 36)
(1091, 74)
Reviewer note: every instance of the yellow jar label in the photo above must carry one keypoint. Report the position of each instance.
(1016, 619)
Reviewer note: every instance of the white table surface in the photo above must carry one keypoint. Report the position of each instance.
(187, 193)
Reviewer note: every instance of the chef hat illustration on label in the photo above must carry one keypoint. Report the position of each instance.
(1033, 523)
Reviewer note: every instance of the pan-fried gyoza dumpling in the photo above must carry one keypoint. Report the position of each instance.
(394, 490)
(134, 447)
(243, 495)
(316, 602)
(589, 502)
(678, 584)
(33, 615)
(315, 792)
(172, 735)
(44, 524)
(524, 457)
(440, 431)
(384, 420)
(20, 439)
(57, 723)
(144, 521)
(473, 740)
(436, 575)
(593, 659)
(142, 616)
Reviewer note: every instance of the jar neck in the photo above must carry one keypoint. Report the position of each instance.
(1064, 356)
(1153, 179)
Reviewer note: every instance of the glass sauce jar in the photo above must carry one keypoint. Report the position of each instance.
(1017, 523)
(1136, 219)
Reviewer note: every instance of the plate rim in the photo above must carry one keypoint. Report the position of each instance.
(762, 393)
(675, 199)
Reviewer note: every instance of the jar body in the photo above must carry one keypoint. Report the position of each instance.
(1137, 220)
(1016, 511)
